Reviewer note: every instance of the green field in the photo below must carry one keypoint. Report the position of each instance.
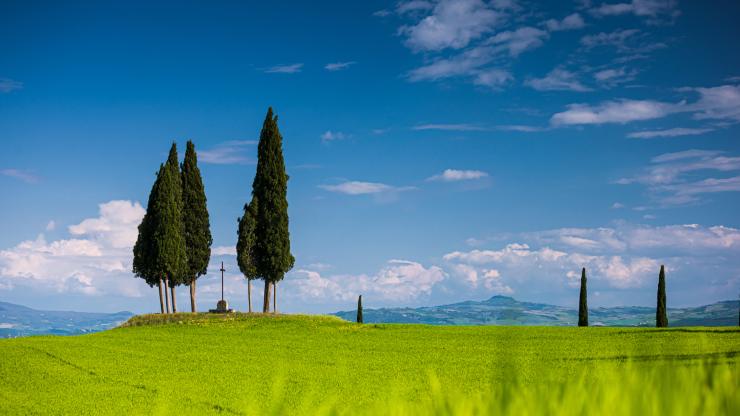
(244, 364)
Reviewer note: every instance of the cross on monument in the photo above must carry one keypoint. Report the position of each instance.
(222, 306)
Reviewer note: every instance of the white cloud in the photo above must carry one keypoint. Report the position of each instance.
(642, 8)
(520, 40)
(117, 225)
(558, 80)
(224, 251)
(414, 6)
(454, 175)
(338, 66)
(492, 77)
(452, 24)
(571, 22)
(8, 85)
(227, 153)
(329, 136)
(674, 132)
(466, 64)
(96, 261)
(616, 39)
(614, 76)
(621, 111)
(362, 188)
(717, 103)
(284, 69)
(398, 281)
(51, 225)
(23, 175)
(449, 127)
(522, 128)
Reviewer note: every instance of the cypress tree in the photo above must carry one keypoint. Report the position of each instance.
(582, 304)
(270, 188)
(170, 259)
(359, 310)
(195, 220)
(245, 246)
(661, 317)
(143, 265)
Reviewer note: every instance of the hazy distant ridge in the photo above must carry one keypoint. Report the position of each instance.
(504, 310)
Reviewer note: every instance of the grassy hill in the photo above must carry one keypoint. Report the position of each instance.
(242, 364)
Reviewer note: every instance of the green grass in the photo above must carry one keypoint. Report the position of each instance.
(241, 364)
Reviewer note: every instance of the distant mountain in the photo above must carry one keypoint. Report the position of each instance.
(19, 321)
(504, 310)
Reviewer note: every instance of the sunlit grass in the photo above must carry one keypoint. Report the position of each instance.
(255, 364)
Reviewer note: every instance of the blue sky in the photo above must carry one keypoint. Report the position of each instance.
(438, 151)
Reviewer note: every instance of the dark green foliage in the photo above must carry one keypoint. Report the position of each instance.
(270, 187)
(582, 304)
(661, 317)
(245, 245)
(195, 219)
(170, 257)
(143, 263)
(359, 310)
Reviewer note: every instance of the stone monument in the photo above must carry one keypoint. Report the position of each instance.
(222, 306)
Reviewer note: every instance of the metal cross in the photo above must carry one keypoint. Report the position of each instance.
(222, 280)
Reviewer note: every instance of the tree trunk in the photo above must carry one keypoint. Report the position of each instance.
(174, 305)
(192, 296)
(274, 298)
(249, 294)
(161, 301)
(166, 293)
(266, 298)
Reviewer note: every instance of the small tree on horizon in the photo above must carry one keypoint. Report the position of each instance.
(245, 246)
(270, 187)
(196, 222)
(359, 310)
(661, 317)
(582, 304)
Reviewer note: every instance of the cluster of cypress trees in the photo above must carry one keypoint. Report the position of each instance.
(263, 244)
(174, 242)
(661, 315)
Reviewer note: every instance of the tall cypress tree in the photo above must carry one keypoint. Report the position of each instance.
(143, 263)
(359, 310)
(195, 220)
(661, 317)
(270, 188)
(582, 304)
(245, 246)
(170, 259)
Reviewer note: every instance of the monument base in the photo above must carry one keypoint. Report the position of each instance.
(221, 307)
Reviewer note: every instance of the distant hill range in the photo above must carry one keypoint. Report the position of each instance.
(504, 310)
(20, 321)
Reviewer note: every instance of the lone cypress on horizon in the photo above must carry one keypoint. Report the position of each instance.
(359, 310)
(582, 304)
(661, 317)
(270, 187)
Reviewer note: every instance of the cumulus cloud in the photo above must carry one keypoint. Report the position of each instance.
(224, 251)
(397, 281)
(451, 24)
(97, 260)
(519, 40)
(558, 80)
(652, 9)
(454, 175)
